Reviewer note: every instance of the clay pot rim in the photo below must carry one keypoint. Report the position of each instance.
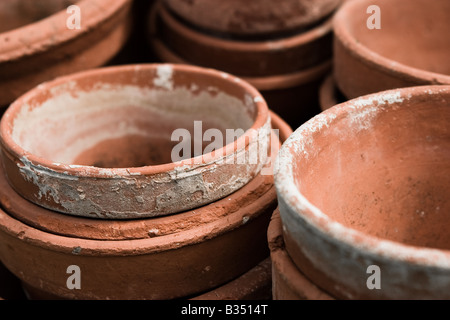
(370, 57)
(301, 208)
(326, 93)
(88, 247)
(55, 24)
(267, 83)
(236, 45)
(10, 146)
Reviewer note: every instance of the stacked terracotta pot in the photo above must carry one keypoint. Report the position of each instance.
(92, 178)
(284, 49)
(374, 50)
(363, 187)
(40, 40)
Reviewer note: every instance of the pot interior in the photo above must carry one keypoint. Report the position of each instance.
(132, 118)
(17, 13)
(384, 171)
(414, 33)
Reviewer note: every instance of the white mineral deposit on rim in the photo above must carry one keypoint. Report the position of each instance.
(295, 147)
(164, 77)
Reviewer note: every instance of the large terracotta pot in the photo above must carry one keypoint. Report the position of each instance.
(37, 45)
(410, 48)
(364, 185)
(252, 18)
(100, 143)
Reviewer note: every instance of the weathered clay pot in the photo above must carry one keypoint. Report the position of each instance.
(40, 50)
(99, 143)
(402, 53)
(243, 58)
(293, 96)
(366, 184)
(175, 258)
(252, 18)
(329, 94)
(288, 283)
(103, 229)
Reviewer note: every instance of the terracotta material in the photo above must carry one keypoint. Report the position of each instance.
(101, 229)
(167, 267)
(98, 143)
(256, 284)
(178, 262)
(402, 53)
(243, 58)
(288, 283)
(253, 285)
(377, 195)
(37, 51)
(252, 18)
(329, 94)
(293, 96)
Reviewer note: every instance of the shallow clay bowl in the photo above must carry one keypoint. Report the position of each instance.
(411, 48)
(367, 183)
(37, 46)
(252, 18)
(107, 144)
(105, 229)
(243, 58)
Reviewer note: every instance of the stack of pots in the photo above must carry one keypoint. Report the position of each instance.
(39, 40)
(90, 179)
(284, 49)
(374, 50)
(363, 187)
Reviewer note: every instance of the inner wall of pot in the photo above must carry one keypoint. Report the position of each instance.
(17, 13)
(388, 176)
(121, 126)
(414, 33)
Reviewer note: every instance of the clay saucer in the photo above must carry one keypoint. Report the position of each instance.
(243, 58)
(37, 45)
(101, 143)
(409, 51)
(252, 18)
(364, 185)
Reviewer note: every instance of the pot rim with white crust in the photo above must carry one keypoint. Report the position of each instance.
(334, 247)
(167, 97)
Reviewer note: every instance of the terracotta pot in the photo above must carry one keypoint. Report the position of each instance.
(402, 53)
(255, 18)
(376, 196)
(243, 58)
(42, 50)
(179, 257)
(288, 283)
(293, 96)
(103, 229)
(115, 161)
(329, 94)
